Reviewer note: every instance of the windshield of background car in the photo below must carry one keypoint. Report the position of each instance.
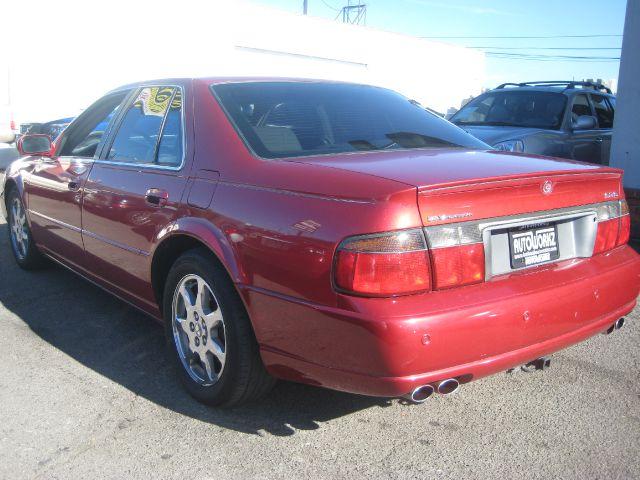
(514, 108)
(288, 119)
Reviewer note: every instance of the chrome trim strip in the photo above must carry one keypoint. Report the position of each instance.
(475, 228)
(91, 234)
(114, 243)
(57, 222)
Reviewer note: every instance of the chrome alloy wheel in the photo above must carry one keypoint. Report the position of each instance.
(19, 229)
(199, 330)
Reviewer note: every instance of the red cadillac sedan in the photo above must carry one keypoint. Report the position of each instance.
(328, 233)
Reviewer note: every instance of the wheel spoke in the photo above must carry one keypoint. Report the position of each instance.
(216, 350)
(200, 294)
(187, 297)
(209, 368)
(183, 323)
(213, 319)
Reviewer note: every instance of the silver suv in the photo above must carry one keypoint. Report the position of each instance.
(560, 119)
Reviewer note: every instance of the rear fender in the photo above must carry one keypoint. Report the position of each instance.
(210, 235)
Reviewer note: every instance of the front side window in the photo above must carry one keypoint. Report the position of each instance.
(580, 107)
(289, 119)
(139, 139)
(518, 108)
(85, 134)
(604, 112)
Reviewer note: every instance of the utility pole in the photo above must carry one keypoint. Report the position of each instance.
(305, 6)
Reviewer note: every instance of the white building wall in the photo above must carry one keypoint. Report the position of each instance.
(625, 148)
(153, 39)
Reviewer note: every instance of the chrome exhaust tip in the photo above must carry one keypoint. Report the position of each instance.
(420, 394)
(619, 323)
(448, 386)
(610, 330)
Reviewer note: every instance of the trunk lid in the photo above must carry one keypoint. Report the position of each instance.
(460, 185)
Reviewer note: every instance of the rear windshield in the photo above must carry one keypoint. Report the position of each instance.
(514, 109)
(288, 119)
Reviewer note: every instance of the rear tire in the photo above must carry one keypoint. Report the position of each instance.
(209, 334)
(24, 249)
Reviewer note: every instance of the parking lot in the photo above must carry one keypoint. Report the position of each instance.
(86, 392)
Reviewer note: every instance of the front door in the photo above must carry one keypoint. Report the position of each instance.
(55, 187)
(134, 190)
(584, 145)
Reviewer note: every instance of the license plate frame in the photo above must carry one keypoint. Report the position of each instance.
(533, 244)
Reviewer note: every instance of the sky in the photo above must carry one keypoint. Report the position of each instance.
(42, 83)
(469, 18)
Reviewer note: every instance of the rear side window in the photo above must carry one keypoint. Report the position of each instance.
(150, 131)
(289, 119)
(170, 147)
(604, 112)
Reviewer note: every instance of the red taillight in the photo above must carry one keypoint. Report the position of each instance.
(625, 230)
(457, 254)
(607, 236)
(614, 225)
(457, 266)
(384, 265)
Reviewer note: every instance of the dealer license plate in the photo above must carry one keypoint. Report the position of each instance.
(533, 244)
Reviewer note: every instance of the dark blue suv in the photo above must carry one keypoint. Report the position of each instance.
(560, 119)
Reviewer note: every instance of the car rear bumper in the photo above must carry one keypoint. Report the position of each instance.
(387, 347)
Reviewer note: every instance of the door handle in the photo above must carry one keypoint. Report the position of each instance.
(599, 140)
(73, 186)
(156, 197)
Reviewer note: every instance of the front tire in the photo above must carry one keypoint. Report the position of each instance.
(209, 334)
(24, 249)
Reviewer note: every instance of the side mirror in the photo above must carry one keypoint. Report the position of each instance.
(584, 122)
(36, 144)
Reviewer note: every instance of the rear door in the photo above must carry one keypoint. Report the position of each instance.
(583, 144)
(135, 188)
(55, 187)
(604, 113)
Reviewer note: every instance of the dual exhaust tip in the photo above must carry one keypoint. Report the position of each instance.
(422, 393)
(616, 326)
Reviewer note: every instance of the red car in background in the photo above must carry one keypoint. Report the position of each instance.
(327, 233)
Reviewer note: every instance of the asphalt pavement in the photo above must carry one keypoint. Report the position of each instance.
(86, 391)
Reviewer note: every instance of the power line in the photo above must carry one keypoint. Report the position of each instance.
(549, 58)
(547, 48)
(527, 37)
(330, 6)
(579, 57)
